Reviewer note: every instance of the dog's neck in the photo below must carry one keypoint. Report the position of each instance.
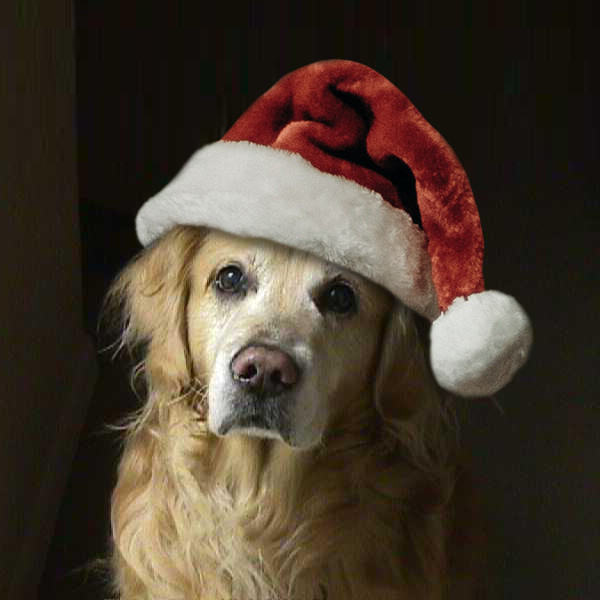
(300, 516)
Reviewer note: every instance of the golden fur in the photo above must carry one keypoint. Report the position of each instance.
(369, 511)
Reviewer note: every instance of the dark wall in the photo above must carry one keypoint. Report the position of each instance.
(514, 90)
(47, 363)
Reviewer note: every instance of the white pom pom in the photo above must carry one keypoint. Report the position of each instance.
(479, 343)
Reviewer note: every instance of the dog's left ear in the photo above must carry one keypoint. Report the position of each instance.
(151, 295)
(403, 382)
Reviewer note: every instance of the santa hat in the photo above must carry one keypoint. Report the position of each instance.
(336, 161)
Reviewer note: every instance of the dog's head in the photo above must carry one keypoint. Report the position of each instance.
(282, 343)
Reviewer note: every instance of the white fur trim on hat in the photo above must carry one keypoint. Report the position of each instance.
(258, 191)
(479, 343)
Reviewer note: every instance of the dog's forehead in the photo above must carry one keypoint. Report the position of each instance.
(264, 256)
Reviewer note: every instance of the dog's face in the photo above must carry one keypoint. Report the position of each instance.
(280, 337)
(244, 337)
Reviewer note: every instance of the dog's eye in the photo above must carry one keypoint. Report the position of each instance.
(339, 298)
(230, 279)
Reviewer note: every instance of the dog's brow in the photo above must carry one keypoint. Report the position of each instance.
(333, 271)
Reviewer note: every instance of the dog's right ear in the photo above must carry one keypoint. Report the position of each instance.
(149, 298)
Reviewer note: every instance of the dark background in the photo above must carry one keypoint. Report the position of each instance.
(514, 90)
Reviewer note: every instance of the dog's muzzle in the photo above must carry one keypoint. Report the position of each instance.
(263, 377)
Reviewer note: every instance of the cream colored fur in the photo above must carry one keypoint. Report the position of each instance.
(370, 511)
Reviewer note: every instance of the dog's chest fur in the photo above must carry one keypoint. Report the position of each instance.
(280, 525)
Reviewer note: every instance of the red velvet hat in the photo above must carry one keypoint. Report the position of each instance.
(336, 161)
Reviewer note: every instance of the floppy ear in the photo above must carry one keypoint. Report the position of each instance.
(151, 296)
(403, 383)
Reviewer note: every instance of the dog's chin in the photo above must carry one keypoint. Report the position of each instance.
(292, 439)
(256, 426)
(255, 432)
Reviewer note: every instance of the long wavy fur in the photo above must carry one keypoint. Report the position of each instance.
(366, 515)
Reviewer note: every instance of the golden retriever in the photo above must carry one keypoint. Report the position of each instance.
(292, 444)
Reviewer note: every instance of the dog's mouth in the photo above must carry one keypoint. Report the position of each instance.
(258, 417)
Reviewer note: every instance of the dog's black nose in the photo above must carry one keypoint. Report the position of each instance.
(264, 370)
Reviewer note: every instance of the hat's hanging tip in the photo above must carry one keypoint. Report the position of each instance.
(479, 343)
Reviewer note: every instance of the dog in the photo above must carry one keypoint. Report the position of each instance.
(292, 443)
